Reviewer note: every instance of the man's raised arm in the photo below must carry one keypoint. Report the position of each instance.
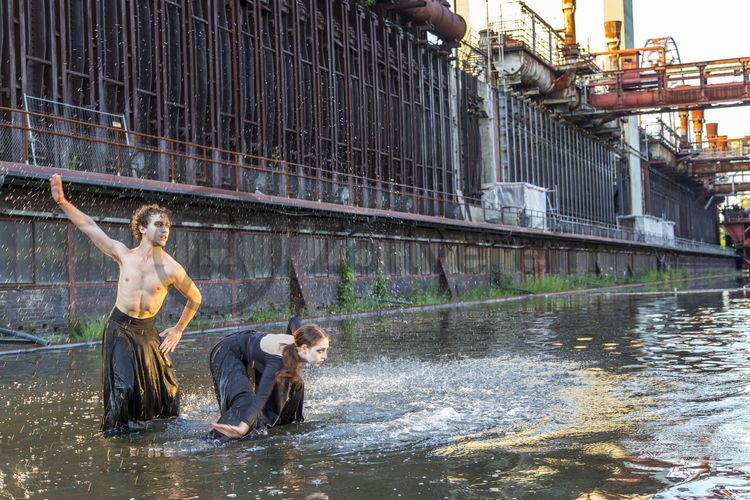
(86, 224)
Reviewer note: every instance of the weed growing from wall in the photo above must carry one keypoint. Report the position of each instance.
(346, 285)
(380, 287)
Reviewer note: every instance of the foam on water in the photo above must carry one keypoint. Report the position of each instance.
(390, 405)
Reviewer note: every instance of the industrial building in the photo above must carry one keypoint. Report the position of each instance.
(290, 137)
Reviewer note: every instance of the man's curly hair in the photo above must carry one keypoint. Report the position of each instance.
(142, 214)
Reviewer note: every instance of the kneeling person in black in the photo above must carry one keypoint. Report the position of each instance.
(257, 378)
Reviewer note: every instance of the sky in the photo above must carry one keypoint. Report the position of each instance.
(702, 30)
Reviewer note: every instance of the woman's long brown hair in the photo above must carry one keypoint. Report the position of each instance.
(307, 335)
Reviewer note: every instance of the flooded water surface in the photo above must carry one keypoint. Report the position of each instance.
(612, 396)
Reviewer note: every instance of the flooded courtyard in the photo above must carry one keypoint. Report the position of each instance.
(608, 395)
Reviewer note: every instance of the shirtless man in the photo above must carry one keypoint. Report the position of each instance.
(139, 382)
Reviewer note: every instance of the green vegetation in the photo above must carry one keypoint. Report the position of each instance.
(346, 286)
(86, 329)
(651, 276)
(504, 285)
(554, 283)
(272, 313)
(426, 298)
(380, 287)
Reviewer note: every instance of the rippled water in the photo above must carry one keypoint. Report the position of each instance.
(611, 396)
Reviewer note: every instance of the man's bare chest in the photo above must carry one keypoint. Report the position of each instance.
(144, 277)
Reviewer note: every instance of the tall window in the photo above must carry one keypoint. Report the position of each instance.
(204, 254)
(453, 259)
(50, 252)
(423, 259)
(33, 252)
(322, 256)
(261, 255)
(15, 252)
(363, 253)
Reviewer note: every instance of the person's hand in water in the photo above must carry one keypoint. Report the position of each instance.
(232, 431)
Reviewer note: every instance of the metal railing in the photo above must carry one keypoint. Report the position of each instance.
(705, 83)
(470, 57)
(663, 133)
(708, 153)
(563, 224)
(156, 158)
(520, 25)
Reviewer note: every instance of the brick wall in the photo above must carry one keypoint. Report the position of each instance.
(34, 310)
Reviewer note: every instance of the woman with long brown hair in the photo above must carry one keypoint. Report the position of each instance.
(257, 377)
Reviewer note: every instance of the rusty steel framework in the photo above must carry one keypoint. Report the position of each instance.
(327, 85)
(670, 87)
(542, 149)
(694, 215)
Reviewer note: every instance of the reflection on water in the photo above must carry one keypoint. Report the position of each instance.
(597, 396)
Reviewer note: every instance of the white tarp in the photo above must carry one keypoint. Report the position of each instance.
(515, 203)
(654, 229)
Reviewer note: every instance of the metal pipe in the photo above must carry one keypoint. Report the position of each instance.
(23, 335)
(612, 36)
(634, 51)
(570, 49)
(683, 114)
(449, 26)
(696, 115)
(712, 132)
(569, 10)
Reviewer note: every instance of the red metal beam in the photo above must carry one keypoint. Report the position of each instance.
(702, 84)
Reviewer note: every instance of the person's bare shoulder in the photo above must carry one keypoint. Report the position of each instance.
(127, 255)
(274, 343)
(174, 269)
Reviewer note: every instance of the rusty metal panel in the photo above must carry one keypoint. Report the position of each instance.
(173, 70)
(77, 50)
(8, 54)
(112, 47)
(469, 110)
(326, 90)
(695, 217)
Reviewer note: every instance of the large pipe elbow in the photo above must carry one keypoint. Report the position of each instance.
(448, 25)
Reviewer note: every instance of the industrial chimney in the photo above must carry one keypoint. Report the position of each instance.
(696, 115)
(570, 49)
(612, 38)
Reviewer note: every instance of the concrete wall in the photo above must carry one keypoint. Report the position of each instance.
(472, 257)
